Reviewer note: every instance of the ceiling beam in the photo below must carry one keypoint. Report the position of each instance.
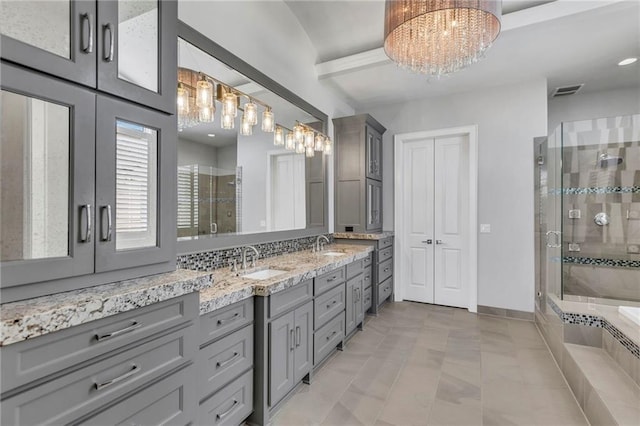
(522, 18)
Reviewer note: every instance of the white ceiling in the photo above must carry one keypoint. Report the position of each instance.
(565, 41)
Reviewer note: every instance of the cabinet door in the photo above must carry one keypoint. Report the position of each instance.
(281, 354)
(137, 51)
(374, 205)
(57, 37)
(47, 175)
(359, 301)
(374, 153)
(135, 185)
(350, 324)
(303, 354)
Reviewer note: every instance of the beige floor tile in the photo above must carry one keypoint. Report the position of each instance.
(446, 413)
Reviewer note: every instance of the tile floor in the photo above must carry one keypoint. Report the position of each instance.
(418, 364)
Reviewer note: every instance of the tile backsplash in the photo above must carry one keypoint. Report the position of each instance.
(214, 259)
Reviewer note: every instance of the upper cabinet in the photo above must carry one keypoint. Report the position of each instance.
(358, 206)
(126, 47)
(81, 195)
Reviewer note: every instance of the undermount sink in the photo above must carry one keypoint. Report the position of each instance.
(332, 253)
(264, 274)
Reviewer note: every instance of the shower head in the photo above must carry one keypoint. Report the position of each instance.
(605, 160)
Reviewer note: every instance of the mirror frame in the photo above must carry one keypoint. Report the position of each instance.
(210, 47)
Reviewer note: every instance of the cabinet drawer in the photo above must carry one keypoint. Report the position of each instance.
(231, 405)
(290, 298)
(82, 392)
(222, 321)
(366, 298)
(385, 254)
(171, 401)
(222, 361)
(367, 261)
(355, 268)
(384, 290)
(30, 360)
(385, 242)
(326, 281)
(385, 270)
(327, 338)
(366, 278)
(327, 305)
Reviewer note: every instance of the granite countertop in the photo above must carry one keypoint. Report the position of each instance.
(35, 317)
(300, 266)
(364, 235)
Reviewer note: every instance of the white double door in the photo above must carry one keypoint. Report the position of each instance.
(436, 220)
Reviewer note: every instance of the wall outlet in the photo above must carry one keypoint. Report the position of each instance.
(574, 247)
(485, 228)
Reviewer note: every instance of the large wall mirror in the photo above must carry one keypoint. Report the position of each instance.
(236, 188)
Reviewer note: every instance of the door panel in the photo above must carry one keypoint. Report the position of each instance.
(303, 354)
(418, 219)
(281, 353)
(450, 230)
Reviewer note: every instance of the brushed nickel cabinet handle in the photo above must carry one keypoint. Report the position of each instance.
(298, 336)
(86, 209)
(226, 320)
(226, 413)
(134, 326)
(108, 53)
(293, 339)
(223, 363)
(134, 370)
(88, 19)
(109, 228)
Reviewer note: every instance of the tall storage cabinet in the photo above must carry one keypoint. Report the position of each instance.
(88, 178)
(358, 174)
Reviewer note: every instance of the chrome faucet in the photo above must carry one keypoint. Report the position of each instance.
(319, 246)
(244, 256)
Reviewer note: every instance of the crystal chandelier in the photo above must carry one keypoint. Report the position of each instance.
(439, 37)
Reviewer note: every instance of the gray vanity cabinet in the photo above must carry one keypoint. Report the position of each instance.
(358, 157)
(354, 305)
(81, 374)
(125, 48)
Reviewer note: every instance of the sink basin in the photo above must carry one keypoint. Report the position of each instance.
(332, 253)
(264, 274)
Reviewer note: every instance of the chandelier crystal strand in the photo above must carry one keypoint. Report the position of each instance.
(439, 37)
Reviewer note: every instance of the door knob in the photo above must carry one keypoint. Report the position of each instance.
(438, 241)
(427, 241)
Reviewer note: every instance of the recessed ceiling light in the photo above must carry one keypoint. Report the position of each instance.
(211, 135)
(627, 61)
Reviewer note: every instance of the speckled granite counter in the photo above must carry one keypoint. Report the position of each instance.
(35, 317)
(300, 266)
(363, 236)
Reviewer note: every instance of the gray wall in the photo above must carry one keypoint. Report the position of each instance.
(508, 118)
(584, 106)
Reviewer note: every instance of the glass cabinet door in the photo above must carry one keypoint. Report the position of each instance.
(374, 205)
(374, 154)
(54, 36)
(135, 157)
(137, 53)
(47, 178)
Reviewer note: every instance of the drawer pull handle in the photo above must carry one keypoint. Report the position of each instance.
(88, 19)
(226, 320)
(386, 269)
(108, 53)
(226, 413)
(223, 363)
(331, 304)
(102, 337)
(134, 370)
(293, 339)
(333, 278)
(298, 336)
(331, 335)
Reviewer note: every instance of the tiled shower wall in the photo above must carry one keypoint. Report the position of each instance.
(601, 261)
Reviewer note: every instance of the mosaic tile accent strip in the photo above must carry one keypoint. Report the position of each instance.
(595, 321)
(216, 259)
(596, 190)
(618, 263)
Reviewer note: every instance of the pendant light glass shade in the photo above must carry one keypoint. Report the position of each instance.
(319, 146)
(328, 148)
(246, 129)
(300, 148)
(278, 136)
(183, 99)
(290, 141)
(268, 123)
(251, 113)
(206, 114)
(227, 121)
(298, 133)
(230, 105)
(204, 93)
(439, 37)
(309, 139)
(309, 151)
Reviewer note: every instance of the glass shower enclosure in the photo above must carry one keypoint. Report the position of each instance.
(588, 212)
